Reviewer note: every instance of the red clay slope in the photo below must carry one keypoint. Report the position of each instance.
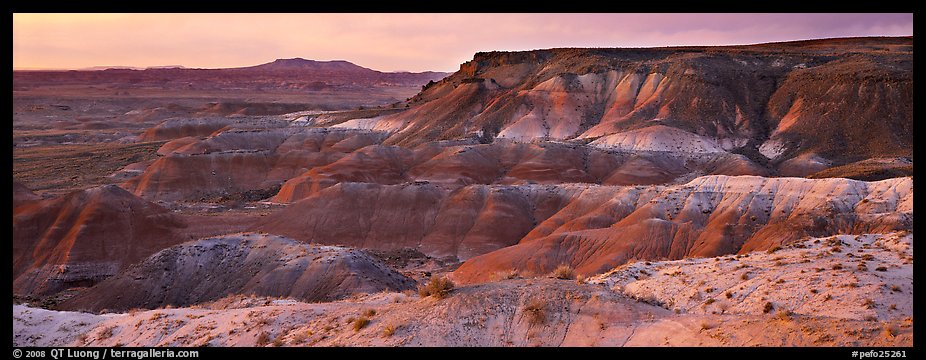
(710, 216)
(85, 236)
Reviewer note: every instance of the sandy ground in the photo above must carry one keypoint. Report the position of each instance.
(614, 309)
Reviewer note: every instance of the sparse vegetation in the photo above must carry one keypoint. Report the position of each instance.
(881, 268)
(278, 341)
(768, 307)
(369, 313)
(888, 330)
(437, 287)
(895, 288)
(774, 249)
(389, 330)
(263, 338)
(300, 337)
(705, 325)
(106, 333)
(360, 323)
(564, 272)
(783, 314)
(507, 274)
(535, 311)
(868, 303)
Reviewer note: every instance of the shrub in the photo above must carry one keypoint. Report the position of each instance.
(706, 325)
(507, 274)
(768, 307)
(278, 341)
(389, 330)
(828, 297)
(784, 314)
(729, 294)
(300, 337)
(535, 311)
(360, 322)
(868, 303)
(564, 272)
(745, 276)
(774, 249)
(888, 331)
(837, 267)
(263, 338)
(709, 301)
(106, 333)
(369, 313)
(880, 268)
(895, 288)
(438, 287)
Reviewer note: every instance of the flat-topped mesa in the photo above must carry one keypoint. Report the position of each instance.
(843, 100)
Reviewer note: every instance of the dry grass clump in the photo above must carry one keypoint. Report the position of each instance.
(768, 307)
(889, 331)
(564, 272)
(784, 314)
(880, 268)
(263, 338)
(535, 310)
(438, 287)
(705, 325)
(868, 303)
(106, 333)
(278, 341)
(508, 274)
(300, 337)
(389, 330)
(774, 249)
(360, 322)
(369, 312)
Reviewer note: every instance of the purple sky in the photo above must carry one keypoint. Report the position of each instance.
(390, 42)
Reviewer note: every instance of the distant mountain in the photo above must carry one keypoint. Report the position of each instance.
(300, 64)
(104, 67)
(288, 74)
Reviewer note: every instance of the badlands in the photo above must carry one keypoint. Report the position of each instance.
(755, 195)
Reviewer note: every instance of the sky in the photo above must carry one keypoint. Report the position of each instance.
(394, 42)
